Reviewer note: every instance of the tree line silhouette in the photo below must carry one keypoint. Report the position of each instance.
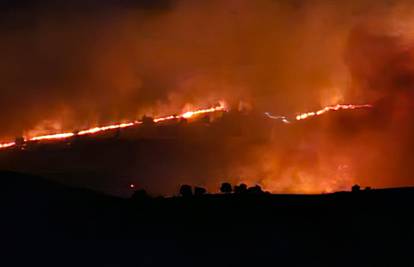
(225, 188)
(188, 191)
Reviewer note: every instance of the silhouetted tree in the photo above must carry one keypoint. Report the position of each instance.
(205, 119)
(255, 190)
(140, 195)
(186, 190)
(199, 191)
(147, 120)
(19, 141)
(226, 188)
(117, 133)
(356, 188)
(240, 189)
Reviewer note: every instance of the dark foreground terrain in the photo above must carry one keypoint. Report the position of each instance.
(47, 224)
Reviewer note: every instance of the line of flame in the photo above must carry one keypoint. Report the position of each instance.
(95, 130)
(186, 115)
(307, 115)
(6, 145)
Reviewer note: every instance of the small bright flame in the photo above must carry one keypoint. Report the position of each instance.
(131, 186)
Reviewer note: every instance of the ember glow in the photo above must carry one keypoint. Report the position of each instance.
(61, 136)
(337, 107)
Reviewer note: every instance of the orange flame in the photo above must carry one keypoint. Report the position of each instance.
(6, 145)
(52, 137)
(307, 115)
(95, 130)
(190, 114)
(106, 128)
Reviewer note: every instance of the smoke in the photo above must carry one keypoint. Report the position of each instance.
(67, 66)
(87, 62)
(380, 56)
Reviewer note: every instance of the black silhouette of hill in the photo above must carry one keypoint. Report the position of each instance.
(51, 224)
(34, 206)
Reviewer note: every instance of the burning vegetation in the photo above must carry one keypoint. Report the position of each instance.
(97, 130)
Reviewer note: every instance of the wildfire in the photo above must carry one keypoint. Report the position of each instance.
(307, 115)
(95, 130)
(185, 115)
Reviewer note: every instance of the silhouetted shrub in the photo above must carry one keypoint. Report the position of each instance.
(117, 133)
(186, 190)
(240, 189)
(147, 120)
(140, 195)
(19, 141)
(199, 191)
(255, 190)
(356, 188)
(226, 188)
